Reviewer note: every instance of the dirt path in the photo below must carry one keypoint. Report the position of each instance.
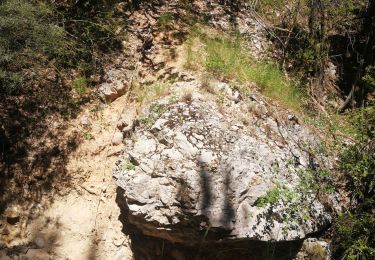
(84, 223)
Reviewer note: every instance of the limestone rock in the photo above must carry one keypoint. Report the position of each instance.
(115, 85)
(85, 120)
(117, 138)
(39, 242)
(198, 169)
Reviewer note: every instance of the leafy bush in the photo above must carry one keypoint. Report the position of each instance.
(354, 230)
(36, 35)
(358, 160)
(369, 78)
(29, 38)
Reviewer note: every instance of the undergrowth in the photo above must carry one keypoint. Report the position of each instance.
(354, 230)
(314, 184)
(224, 57)
(51, 53)
(147, 93)
(350, 138)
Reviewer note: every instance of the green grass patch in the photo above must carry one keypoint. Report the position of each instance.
(224, 56)
(165, 20)
(148, 93)
(80, 85)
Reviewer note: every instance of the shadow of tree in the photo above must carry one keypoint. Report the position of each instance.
(146, 247)
(35, 145)
(211, 245)
(35, 142)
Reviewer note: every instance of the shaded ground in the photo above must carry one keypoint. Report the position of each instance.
(82, 222)
(55, 181)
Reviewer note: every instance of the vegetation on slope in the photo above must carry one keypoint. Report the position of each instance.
(50, 55)
(313, 35)
(224, 56)
(52, 52)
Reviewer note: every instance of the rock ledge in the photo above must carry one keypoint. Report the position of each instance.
(195, 169)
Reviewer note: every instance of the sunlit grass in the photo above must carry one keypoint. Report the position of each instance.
(224, 56)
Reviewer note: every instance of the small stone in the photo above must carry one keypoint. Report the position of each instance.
(12, 215)
(85, 120)
(22, 249)
(5, 257)
(234, 95)
(118, 241)
(313, 248)
(96, 128)
(117, 138)
(39, 242)
(3, 253)
(13, 220)
(159, 124)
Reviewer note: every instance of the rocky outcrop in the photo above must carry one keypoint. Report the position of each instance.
(202, 168)
(115, 84)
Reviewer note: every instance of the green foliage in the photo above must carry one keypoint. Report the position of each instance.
(130, 166)
(354, 229)
(314, 182)
(225, 57)
(156, 110)
(357, 161)
(80, 85)
(165, 19)
(272, 196)
(355, 232)
(270, 8)
(369, 78)
(29, 38)
(37, 36)
(313, 185)
(88, 136)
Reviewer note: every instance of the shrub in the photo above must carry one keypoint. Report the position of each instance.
(29, 38)
(354, 234)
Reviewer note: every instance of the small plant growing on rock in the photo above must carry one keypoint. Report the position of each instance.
(89, 136)
(156, 110)
(128, 166)
(312, 185)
